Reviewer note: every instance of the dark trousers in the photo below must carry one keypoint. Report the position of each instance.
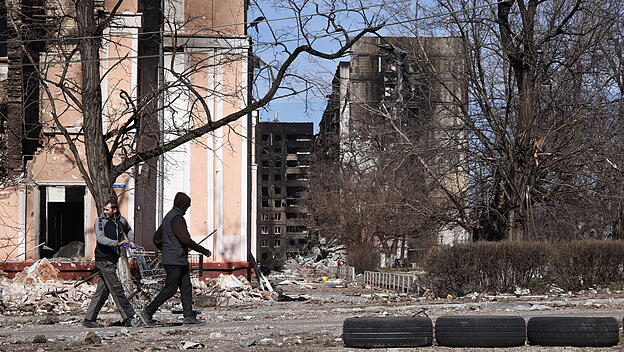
(109, 283)
(177, 277)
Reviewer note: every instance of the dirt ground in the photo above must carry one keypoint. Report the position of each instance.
(313, 325)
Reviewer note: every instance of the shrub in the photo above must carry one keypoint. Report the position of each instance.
(585, 264)
(485, 267)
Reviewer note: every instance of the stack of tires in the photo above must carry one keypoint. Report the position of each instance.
(480, 331)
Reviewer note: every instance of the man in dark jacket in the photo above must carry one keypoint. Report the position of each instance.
(174, 240)
(111, 230)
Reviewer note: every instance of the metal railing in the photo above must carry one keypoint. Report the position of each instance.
(342, 272)
(407, 283)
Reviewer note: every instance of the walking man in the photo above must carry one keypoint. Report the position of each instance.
(112, 231)
(174, 240)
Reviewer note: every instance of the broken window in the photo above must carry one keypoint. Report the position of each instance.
(61, 217)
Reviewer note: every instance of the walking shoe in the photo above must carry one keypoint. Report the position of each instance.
(128, 322)
(193, 320)
(91, 324)
(146, 319)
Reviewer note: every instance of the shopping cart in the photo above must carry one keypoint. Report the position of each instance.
(149, 275)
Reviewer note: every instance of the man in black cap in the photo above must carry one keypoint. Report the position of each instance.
(174, 240)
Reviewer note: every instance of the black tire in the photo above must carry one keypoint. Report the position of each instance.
(480, 331)
(573, 331)
(387, 332)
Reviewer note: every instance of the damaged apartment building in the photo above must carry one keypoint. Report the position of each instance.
(44, 201)
(418, 79)
(283, 159)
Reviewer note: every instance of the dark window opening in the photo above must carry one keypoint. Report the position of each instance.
(296, 192)
(278, 164)
(291, 242)
(265, 177)
(265, 191)
(265, 163)
(61, 220)
(278, 203)
(265, 137)
(278, 138)
(265, 203)
(278, 190)
(265, 256)
(278, 177)
(292, 163)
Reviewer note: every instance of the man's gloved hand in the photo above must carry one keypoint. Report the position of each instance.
(207, 253)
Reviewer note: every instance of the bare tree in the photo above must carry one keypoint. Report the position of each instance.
(539, 116)
(71, 70)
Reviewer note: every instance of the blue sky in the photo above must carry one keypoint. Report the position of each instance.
(309, 108)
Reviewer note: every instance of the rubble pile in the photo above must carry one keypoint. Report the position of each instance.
(320, 258)
(230, 290)
(37, 289)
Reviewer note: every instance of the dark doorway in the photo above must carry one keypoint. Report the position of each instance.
(62, 217)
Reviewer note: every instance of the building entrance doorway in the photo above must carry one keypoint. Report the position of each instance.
(62, 217)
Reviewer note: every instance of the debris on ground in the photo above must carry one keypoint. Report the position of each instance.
(93, 339)
(40, 339)
(41, 271)
(189, 345)
(230, 290)
(37, 289)
(74, 249)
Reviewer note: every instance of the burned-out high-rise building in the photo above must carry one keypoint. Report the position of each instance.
(417, 83)
(283, 157)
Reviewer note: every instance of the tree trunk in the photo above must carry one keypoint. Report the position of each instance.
(99, 160)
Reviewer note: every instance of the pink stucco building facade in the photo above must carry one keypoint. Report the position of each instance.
(48, 202)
